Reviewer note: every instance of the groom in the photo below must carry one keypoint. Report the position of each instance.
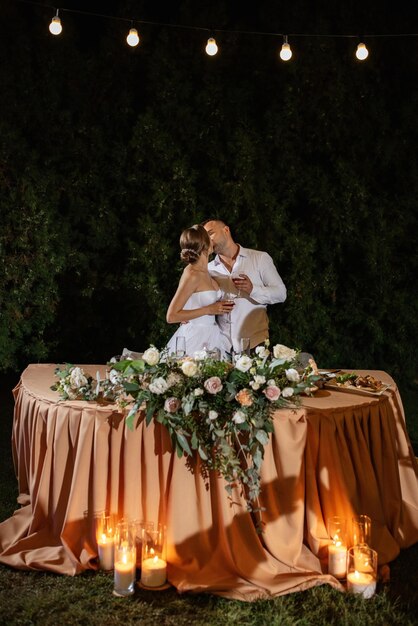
(252, 277)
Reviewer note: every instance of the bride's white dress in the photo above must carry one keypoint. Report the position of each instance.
(201, 332)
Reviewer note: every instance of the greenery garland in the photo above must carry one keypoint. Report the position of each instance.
(222, 411)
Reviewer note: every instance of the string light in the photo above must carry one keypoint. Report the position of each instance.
(362, 53)
(211, 47)
(55, 27)
(133, 38)
(285, 52)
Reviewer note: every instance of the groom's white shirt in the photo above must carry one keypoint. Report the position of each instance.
(249, 315)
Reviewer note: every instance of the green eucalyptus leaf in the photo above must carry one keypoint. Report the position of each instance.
(184, 443)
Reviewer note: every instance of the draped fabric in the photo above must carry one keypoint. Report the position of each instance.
(338, 454)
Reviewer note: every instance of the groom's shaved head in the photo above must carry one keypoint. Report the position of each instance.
(214, 219)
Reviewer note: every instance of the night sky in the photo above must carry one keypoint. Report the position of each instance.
(107, 152)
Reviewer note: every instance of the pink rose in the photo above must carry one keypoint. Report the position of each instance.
(171, 405)
(213, 385)
(272, 393)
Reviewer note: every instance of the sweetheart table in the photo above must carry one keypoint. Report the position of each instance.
(337, 454)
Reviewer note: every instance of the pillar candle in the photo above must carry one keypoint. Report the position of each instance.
(358, 582)
(105, 548)
(125, 575)
(153, 572)
(337, 560)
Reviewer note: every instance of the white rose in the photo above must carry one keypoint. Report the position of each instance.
(254, 385)
(238, 417)
(213, 415)
(158, 386)
(151, 356)
(189, 368)
(287, 392)
(244, 363)
(260, 379)
(262, 352)
(198, 392)
(271, 382)
(77, 378)
(200, 355)
(283, 352)
(114, 377)
(292, 375)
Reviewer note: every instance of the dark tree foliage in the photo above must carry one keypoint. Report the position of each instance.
(107, 153)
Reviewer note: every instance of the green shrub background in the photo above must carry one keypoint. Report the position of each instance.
(107, 153)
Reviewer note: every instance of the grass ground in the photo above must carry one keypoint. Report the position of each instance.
(35, 598)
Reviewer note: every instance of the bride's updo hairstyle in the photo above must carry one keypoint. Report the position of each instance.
(193, 241)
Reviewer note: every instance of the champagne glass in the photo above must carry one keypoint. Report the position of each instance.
(180, 346)
(245, 345)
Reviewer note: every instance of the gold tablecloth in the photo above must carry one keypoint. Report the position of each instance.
(339, 454)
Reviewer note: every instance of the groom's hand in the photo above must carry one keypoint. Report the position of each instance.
(243, 283)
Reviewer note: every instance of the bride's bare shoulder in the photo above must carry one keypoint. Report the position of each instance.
(190, 274)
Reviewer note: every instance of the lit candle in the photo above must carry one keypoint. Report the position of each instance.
(153, 572)
(105, 547)
(359, 582)
(337, 559)
(125, 568)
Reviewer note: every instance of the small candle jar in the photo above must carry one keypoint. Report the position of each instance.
(362, 530)
(105, 532)
(337, 549)
(125, 559)
(362, 570)
(154, 563)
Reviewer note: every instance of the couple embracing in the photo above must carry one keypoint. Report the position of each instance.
(218, 303)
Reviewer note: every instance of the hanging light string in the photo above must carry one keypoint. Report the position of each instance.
(285, 52)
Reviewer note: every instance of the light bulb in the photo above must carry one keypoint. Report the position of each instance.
(55, 26)
(362, 52)
(211, 47)
(285, 52)
(132, 38)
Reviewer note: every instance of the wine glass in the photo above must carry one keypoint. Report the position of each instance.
(234, 277)
(229, 297)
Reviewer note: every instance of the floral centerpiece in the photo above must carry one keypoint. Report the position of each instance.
(222, 411)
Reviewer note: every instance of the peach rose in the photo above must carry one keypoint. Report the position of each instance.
(244, 397)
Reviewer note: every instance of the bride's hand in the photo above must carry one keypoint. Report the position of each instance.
(222, 307)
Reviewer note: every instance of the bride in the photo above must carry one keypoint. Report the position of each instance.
(197, 299)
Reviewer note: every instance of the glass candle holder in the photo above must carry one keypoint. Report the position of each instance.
(337, 549)
(362, 529)
(105, 534)
(154, 563)
(141, 529)
(125, 559)
(362, 570)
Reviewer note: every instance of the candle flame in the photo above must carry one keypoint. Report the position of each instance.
(356, 574)
(104, 538)
(152, 551)
(155, 559)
